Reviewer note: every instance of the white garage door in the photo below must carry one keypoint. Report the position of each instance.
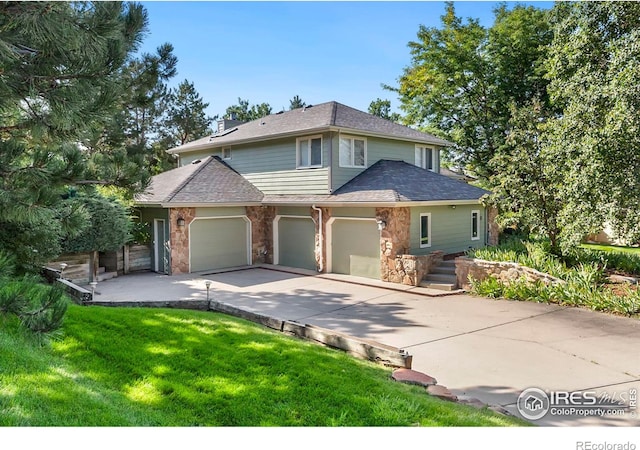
(216, 243)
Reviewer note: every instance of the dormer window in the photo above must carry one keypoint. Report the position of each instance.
(226, 153)
(353, 152)
(426, 157)
(309, 152)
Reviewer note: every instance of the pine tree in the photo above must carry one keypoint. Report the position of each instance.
(60, 82)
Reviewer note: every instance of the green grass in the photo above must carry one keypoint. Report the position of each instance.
(612, 248)
(148, 367)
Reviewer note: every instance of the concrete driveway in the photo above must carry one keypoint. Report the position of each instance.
(488, 349)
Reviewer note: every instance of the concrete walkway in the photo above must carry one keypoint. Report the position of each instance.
(488, 349)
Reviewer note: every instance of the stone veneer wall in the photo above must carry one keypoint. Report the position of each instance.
(321, 247)
(179, 238)
(411, 269)
(394, 241)
(261, 218)
(480, 269)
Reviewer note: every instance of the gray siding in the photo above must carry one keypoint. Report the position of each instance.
(354, 212)
(377, 149)
(188, 158)
(221, 212)
(271, 166)
(148, 215)
(450, 228)
(294, 211)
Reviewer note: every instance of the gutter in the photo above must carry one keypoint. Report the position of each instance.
(322, 129)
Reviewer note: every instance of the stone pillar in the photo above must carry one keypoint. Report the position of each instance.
(494, 229)
(394, 241)
(179, 239)
(261, 218)
(321, 228)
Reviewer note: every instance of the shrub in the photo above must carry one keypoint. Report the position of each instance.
(108, 229)
(39, 308)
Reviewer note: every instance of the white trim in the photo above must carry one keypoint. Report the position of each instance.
(222, 153)
(477, 238)
(309, 203)
(276, 236)
(322, 129)
(423, 153)
(244, 217)
(352, 138)
(370, 204)
(156, 222)
(329, 241)
(429, 229)
(308, 138)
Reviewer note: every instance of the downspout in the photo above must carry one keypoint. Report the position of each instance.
(329, 171)
(321, 238)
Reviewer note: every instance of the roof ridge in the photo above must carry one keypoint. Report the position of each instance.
(188, 179)
(334, 111)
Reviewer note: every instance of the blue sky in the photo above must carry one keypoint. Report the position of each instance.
(271, 51)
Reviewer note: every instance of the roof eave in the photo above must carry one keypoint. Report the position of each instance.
(436, 141)
(214, 144)
(330, 203)
(207, 204)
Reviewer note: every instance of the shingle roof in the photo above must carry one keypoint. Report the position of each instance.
(209, 181)
(310, 119)
(398, 181)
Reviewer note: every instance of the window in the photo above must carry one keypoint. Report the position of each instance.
(353, 152)
(226, 153)
(425, 230)
(426, 157)
(475, 225)
(309, 152)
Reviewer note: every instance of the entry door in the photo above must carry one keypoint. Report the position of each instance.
(159, 249)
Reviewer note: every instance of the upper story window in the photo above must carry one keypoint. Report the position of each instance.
(426, 157)
(226, 153)
(475, 225)
(309, 152)
(353, 152)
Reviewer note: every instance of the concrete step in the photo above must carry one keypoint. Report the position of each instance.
(448, 263)
(445, 270)
(440, 277)
(438, 286)
(103, 276)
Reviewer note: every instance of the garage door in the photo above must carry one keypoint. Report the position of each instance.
(355, 248)
(296, 242)
(219, 243)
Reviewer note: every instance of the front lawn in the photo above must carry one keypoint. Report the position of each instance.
(158, 367)
(612, 248)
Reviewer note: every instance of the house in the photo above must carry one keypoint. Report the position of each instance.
(325, 187)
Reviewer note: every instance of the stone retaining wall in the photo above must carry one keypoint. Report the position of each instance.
(411, 269)
(479, 269)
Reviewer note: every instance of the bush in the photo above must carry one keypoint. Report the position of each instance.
(39, 308)
(533, 254)
(109, 226)
(581, 290)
